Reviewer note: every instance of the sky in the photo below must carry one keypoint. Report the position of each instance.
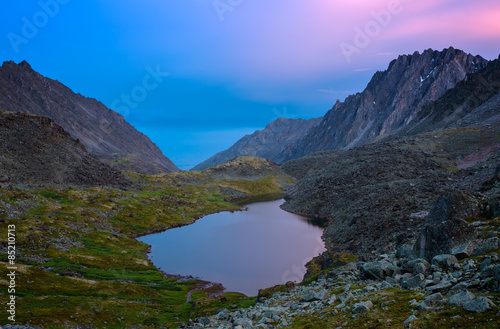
(197, 75)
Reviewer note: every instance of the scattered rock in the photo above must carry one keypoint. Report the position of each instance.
(487, 246)
(413, 282)
(478, 305)
(362, 307)
(446, 261)
(461, 298)
(408, 321)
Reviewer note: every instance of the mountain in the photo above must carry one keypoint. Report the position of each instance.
(392, 99)
(103, 132)
(269, 143)
(34, 149)
(475, 101)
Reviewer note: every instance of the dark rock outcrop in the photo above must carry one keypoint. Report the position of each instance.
(103, 132)
(34, 149)
(445, 230)
(269, 143)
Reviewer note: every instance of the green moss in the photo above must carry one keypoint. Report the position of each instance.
(87, 268)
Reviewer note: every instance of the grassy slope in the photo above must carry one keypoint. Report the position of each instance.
(81, 264)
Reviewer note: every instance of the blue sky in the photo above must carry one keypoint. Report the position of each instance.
(230, 67)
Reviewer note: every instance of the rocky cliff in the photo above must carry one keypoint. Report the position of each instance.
(270, 143)
(392, 99)
(102, 131)
(34, 149)
(475, 101)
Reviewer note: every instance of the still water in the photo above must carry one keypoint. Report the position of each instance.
(244, 250)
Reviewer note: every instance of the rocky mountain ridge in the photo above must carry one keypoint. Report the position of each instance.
(35, 150)
(391, 101)
(268, 143)
(103, 132)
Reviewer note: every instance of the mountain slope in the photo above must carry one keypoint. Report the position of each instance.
(268, 143)
(102, 131)
(391, 100)
(475, 101)
(34, 149)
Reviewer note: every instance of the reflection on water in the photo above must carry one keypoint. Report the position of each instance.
(243, 250)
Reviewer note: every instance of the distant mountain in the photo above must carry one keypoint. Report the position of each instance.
(269, 143)
(103, 132)
(392, 100)
(34, 149)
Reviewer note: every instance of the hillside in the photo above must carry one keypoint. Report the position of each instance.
(103, 132)
(34, 149)
(268, 143)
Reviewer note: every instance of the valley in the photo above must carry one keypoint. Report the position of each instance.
(404, 176)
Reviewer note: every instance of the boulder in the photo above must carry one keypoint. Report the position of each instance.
(445, 230)
(440, 287)
(446, 261)
(478, 305)
(487, 246)
(321, 295)
(378, 270)
(408, 321)
(461, 298)
(362, 307)
(412, 283)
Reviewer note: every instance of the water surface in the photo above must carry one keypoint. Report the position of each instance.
(244, 250)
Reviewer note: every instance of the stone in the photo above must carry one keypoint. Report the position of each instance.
(378, 270)
(343, 297)
(321, 295)
(419, 268)
(408, 321)
(391, 281)
(413, 282)
(422, 307)
(478, 305)
(308, 297)
(487, 246)
(362, 307)
(485, 264)
(411, 264)
(432, 299)
(405, 252)
(385, 285)
(461, 298)
(464, 249)
(486, 272)
(446, 261)
(440, 287)
(496, 273)
(445, 228)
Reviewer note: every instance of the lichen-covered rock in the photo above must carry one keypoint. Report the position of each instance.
(461, 298)
(478, 305)
(487, 246)
(446, 261)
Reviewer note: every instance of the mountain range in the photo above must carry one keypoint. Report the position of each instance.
(104, 133)
(391, 101)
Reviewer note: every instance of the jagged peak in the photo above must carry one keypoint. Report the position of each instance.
(12, 64)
